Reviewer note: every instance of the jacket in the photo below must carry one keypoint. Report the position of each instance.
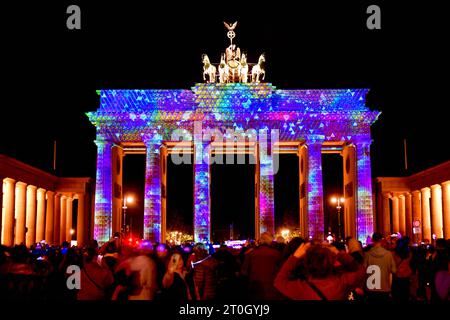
(385, 261)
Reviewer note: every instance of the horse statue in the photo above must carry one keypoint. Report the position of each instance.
(208, 69)
(223, 70)
(243, 69)
(258, 72)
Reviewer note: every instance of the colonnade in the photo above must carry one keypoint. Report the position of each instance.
(31, 214)
(359, 218)
(423, 213)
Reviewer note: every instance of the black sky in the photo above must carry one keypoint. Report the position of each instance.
(50, 73)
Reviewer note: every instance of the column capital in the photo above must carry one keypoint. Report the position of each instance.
(425, 190)
(362, 141)
(314, 139)
(21, 184)
(9, 180)
(150, 139)
(78, 195)
(401, 195)
(416, 192)
(50, 193)
(41, 190)
(435, 186)
(100, 142)
(445, 183)
(387, 195)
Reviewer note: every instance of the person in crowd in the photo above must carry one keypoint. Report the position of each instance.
(437, 265)
(96, 281)
(442, 281)
(175, 287)
(204, 268)
(249, 246)
(141, 277)
(161, 258)
(383, 259)
(280, 244)
(21, 264)
(291, 247)
(401, 282)
(4, 260)
(260, 268)
(355, 249)
(419, 278)
(110, 255)
(321, 281)
(228, 284)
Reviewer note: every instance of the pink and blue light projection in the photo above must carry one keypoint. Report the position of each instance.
(103, 191)
(322, 115)
(202, 208)
(152, 192)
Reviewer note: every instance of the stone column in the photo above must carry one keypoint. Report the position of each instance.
(386, 214)
(117, 155)
(57, 220)
(350, 183)
(303, 165)
(436, 214)
(103, 192)
(69, 222)
(446, 208)
(49, 217)
(31, 216)
(8, 212)
(266, 184)
(20, 204)
(164, 158)
(402, 214)
(40, 219)
(81, 221)
(202, 203)
(417, 211)
(365, 219)
(63, 220)
(395, 214)
(315, 189)
(408, 225)
(152, 200)
(426, 217)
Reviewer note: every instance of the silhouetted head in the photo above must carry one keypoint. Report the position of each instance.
(266, 238)
(90, 255)
(377, 237)
(319, 261)
(20, 254)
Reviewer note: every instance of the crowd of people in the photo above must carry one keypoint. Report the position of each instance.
(387, 268)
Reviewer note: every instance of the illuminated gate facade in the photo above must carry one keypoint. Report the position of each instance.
(235, 111)
(257, 117)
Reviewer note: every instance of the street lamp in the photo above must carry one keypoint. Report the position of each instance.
(338, 201)
(126, 201)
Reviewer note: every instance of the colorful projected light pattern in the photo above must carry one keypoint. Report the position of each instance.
(312, 116)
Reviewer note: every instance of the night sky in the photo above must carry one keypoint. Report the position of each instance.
(50, 73)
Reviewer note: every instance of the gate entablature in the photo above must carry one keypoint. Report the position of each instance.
(127, 115)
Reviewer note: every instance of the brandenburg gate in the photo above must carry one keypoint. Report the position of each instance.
(234, 111)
